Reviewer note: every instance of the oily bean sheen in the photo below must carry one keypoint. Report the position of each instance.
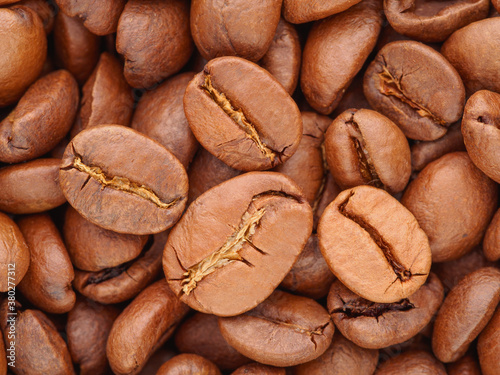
(416, 87)
(231, 107)
(235, 27)
(259, 369)
(356, 233)
(301, 11)
(188, 364)
(228, 252)
(481, 131)
(488, 346)
(465, 312)
(123, 181)
(364, 147)
(453, 201)
(284, 330)
(433, 21)
(417, 362)
(377, 325)
(41, 119)
(491, 243)
(335, 52)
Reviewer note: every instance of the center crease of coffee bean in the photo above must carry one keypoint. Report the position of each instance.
(355, 309)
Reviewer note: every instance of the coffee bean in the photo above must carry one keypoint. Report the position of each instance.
(301, 11)
(467, 365)
(416, 362)
(491, 243)
(45, 10)
(488, 346)
(259, 369)
(188, 364)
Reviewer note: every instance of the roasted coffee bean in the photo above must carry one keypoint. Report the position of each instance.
(496, 4)
(453, 202)
(45, 10)
(467, 365)
(234, 28)
(41, 119)
(31, 187)
(433, 21)
(416, 87)
(364, 147)
(238, 123)
(123, 181)
(201, 335)
(488, 346)
(154, 362)
(377, 325)
(160, 116)
(491, 243)
(259, 369)
(188, 364)
(393, 251)
(481, 131)
(336, 49)
(412, 363)
(150, 320)
(342, 357)
(227, 253)
(6, 2)
(14, 253)
(474, 51)
(301, 11)
(465, 312)
(24, 47)
(284, 330)
(153, 37)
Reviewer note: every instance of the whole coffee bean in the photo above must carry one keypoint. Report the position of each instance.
(76, 48)
(93, 248)
(234, 28)
(474, 56)
(238, 123)
(150, 320)
(31, 187)
(115, 177)
(467, 365)
(188, 364)
(87, 329)
(301, 11)
(416, 87)
(453, 202)
(364, 147)
(336, 49)
(412, 363)
(24, 47)
(39, 349)
(433, 21)
(377, 325)
(160, 116)
(481, 131)
(153, 37)
(259, 369)
(41, 119)
(342, 357)
(488, 346)
(491, 243)
(393, 252)
(201, 335)
(46, 11)
(284, 330)
(227, 254)
(465, 312)
(100, 18)
(14, 254)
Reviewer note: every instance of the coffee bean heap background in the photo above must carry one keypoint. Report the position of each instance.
(250, 187)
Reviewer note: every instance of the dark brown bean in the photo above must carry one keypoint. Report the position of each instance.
(491, 243)
(301, 11)
(496, 4)
(488, 346)
(45, 10)
(412, 363)
(259, 369)
(188, 364)
(467, 365)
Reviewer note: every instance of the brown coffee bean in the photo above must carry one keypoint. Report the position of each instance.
(377, 325)
(41, 119)
(5, 2)
(160, 116)
(259, 369)
(153, 37)
(412, 363)
(496, 4)
(284, 330)
(393, 252)
(31, 187)
(301, 11)
(491, 243)
(433, 21)
(342, 357)
(481, 131)
(154, 362)
(123, 187)
(465, 312)
(238, 123)
(24, 47)
(474, 56)
(201, 335)
(234, 28)
(488, 346)
(188, 364)
(100, 18)
(417, 88)
(45, 10)
(76, 48)
(336, 49)
(467, 365)
(87, 329)
(364, 147)
(453, 202)
(150, 320)
(225, 257)
(14, 253)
